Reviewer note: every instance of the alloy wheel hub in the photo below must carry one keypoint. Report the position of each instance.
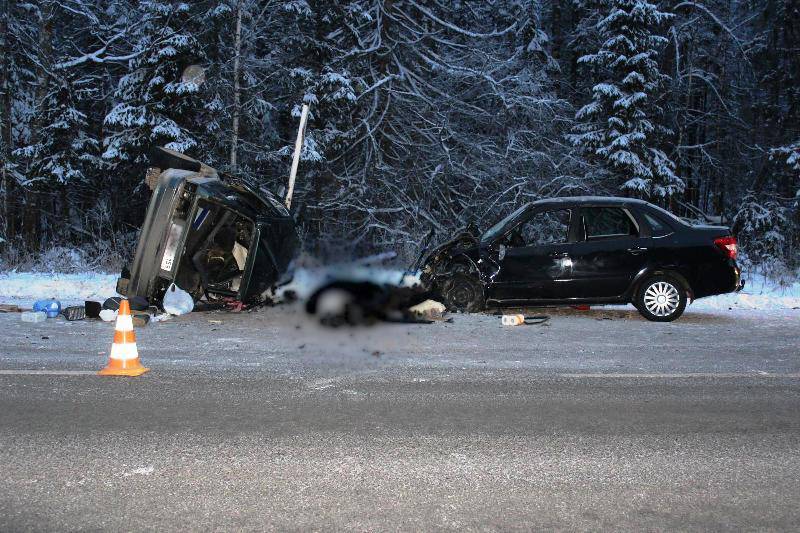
(661, 298)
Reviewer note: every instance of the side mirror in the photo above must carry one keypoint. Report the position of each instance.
(501, 252)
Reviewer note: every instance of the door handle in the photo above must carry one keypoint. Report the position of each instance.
(637, 251)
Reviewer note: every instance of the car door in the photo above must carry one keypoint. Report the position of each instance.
(534, 258)
(610, 250)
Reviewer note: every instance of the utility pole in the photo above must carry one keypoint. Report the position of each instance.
(298, 147)
(236, 86)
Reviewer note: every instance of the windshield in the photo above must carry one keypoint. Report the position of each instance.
(496, 230)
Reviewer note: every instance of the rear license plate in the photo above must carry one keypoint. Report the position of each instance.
(175, 232)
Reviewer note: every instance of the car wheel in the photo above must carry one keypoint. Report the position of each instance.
(661, 299)
(463, 293)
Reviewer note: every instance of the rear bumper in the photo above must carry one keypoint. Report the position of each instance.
(739, 281)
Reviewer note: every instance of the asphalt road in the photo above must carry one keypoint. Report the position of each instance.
(263, 421)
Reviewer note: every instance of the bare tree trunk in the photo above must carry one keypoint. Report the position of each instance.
(236, 86)
(31, 219)
(6, 133)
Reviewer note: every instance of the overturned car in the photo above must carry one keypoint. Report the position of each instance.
(210, 234)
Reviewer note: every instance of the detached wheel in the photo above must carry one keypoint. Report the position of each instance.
(463, 293)
(661, 299)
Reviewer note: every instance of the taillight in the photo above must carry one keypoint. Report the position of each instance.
(727, 245)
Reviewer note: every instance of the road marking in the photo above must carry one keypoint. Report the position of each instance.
(47, 373)
(686, 375)
(326, 383)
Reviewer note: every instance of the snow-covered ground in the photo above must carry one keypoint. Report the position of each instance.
(23, 288)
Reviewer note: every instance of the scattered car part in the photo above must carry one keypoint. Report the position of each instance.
(210, 234)
(140, 320)
(137, 303)
(75, 312)
(92, 309)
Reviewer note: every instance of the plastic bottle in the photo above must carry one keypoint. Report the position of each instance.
(34, 316)
(52, 307)
(513, 320)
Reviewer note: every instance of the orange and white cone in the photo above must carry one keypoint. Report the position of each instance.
(124, 357)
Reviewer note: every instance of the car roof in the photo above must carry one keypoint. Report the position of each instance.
(571, 201)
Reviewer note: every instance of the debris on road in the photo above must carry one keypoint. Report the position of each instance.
(92, 309)
(141, 319)
(34, 316)
(74, 313)
(51, 307)
(137, 303)
(522, 320)
(357, 303)
(177, 301)
(429, 309)
(4, 308)
(107, 315)
(512, 320)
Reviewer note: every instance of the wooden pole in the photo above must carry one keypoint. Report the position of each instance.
(236, 87)
(298, 147)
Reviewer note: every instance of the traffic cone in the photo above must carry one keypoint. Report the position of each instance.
(124, 357)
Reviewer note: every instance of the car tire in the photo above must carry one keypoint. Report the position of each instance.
(661, 299)
(463, 293)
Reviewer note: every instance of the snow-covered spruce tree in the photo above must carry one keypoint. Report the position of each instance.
(153, 106)
(451, 119)
(620, 130)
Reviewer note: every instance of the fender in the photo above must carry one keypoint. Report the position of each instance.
(472, 266)
(648, 271)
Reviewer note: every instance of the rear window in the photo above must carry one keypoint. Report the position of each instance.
(658, 228)
(607, 222)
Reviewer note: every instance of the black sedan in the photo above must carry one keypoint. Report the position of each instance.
(586, 250)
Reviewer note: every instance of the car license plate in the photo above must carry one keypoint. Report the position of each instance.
(175, 232)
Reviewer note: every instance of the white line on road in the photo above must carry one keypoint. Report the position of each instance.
(685, 375)
(47, 373)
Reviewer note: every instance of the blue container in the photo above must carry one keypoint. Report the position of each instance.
(51, 307)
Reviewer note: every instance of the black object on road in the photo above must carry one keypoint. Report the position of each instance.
(137, 303)
(92, 309)
(73, 313)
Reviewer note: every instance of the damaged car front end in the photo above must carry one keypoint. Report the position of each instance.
(211, 235)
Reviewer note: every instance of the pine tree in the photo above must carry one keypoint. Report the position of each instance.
(620, 129)
(154, 106)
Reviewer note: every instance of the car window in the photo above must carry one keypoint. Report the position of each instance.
(657, 227)
(545, 227)
(503, 224)
(604, 222)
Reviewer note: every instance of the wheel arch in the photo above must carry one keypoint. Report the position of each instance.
(661, 271)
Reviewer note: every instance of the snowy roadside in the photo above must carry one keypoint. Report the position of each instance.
(23, 288)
